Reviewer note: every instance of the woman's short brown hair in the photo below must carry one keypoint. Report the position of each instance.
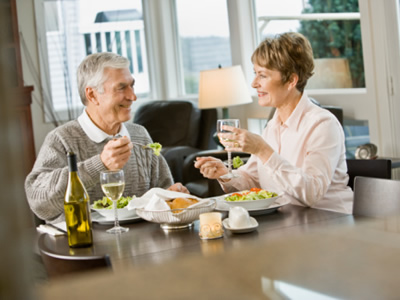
(287, 53)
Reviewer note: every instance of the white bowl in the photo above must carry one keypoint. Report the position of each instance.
(123, 213)
(251, 204)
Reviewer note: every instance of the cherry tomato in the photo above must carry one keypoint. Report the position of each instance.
(236, 194)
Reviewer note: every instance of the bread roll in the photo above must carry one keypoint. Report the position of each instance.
(181, 203)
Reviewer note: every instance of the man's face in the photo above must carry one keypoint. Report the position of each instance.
(113, 106)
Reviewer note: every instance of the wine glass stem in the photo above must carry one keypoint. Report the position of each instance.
(229, 161)
(116, 222)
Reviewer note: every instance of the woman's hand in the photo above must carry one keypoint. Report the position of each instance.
(210, 167)
(241, 140)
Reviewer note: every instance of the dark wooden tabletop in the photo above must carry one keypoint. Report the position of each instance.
(297, 253)
(146, 243)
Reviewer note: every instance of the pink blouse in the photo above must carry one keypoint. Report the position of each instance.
(309, 162)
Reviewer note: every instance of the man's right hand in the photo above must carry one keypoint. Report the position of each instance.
(116, 153)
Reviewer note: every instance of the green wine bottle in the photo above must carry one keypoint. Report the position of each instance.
(76, 208)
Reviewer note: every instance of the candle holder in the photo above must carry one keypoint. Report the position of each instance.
(211, 226)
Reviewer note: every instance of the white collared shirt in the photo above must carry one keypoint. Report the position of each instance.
(95, 133)
(309, 162)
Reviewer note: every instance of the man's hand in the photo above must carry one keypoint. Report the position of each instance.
(178, 187)
(116, 153)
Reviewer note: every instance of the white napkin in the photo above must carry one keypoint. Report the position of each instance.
(154, 200)
(53, 229)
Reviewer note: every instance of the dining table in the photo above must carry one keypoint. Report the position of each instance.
(146, 243)
(296, 252)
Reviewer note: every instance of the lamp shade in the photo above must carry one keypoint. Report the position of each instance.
(223, 87)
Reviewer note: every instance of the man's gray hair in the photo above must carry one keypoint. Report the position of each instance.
(91, 71)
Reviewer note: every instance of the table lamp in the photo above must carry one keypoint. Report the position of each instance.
(223, 87)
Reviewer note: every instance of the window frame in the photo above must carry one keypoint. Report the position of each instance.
(381, 64)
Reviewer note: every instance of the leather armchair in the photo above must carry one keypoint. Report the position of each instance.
(180, 127)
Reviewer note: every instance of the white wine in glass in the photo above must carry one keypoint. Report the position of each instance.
(113, 185)
(232, 123)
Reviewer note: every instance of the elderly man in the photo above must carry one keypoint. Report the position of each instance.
(106, 88)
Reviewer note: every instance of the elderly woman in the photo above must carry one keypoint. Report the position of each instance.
(301, 151)
(106, 88)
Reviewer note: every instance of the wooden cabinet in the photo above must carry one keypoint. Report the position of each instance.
(20, 94)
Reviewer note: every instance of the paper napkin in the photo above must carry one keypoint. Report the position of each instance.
(57, 229)
(155, 198)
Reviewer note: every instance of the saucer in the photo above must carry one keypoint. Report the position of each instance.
(254, 225)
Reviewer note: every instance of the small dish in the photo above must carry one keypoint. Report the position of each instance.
(254, 225)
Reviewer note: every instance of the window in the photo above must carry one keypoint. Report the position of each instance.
(334, 31)
(74, 29)
(333, 28)
(203, 31)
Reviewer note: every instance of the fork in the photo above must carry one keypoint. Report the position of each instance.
(117, 136)
(143, 146)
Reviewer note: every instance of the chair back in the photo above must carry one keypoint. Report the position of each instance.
(378, 168)
(180, 127)
(176, 123)
(58, 265)
(376, 197)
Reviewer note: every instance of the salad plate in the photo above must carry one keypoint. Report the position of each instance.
(98, 218)
(254, 225)
(250, 199)
(279, 202)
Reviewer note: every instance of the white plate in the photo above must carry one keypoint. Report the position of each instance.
(281, 201)
(123, 213)
(97, 218)
(250, 204)
(254, 225)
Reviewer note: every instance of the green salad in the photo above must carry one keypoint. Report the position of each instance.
(237, 162)
(253, 194)
(156, 148)
(106, 203)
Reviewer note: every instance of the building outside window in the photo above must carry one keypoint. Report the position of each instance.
(76, 28)
(203, 31)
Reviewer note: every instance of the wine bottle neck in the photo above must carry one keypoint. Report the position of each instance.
(72, 165)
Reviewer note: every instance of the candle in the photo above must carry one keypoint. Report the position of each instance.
(211, 226)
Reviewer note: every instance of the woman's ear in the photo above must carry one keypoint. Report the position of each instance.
(91, 95)
(294, 78)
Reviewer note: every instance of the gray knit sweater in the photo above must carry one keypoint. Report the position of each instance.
(46, 184)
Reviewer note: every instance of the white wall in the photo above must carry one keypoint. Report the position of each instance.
(30, 65)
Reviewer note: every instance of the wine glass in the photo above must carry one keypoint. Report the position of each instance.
(233, 123)
(113, 184)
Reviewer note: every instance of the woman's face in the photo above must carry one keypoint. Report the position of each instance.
(270, 90)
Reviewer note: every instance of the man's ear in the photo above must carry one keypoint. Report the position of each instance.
(91, 95)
